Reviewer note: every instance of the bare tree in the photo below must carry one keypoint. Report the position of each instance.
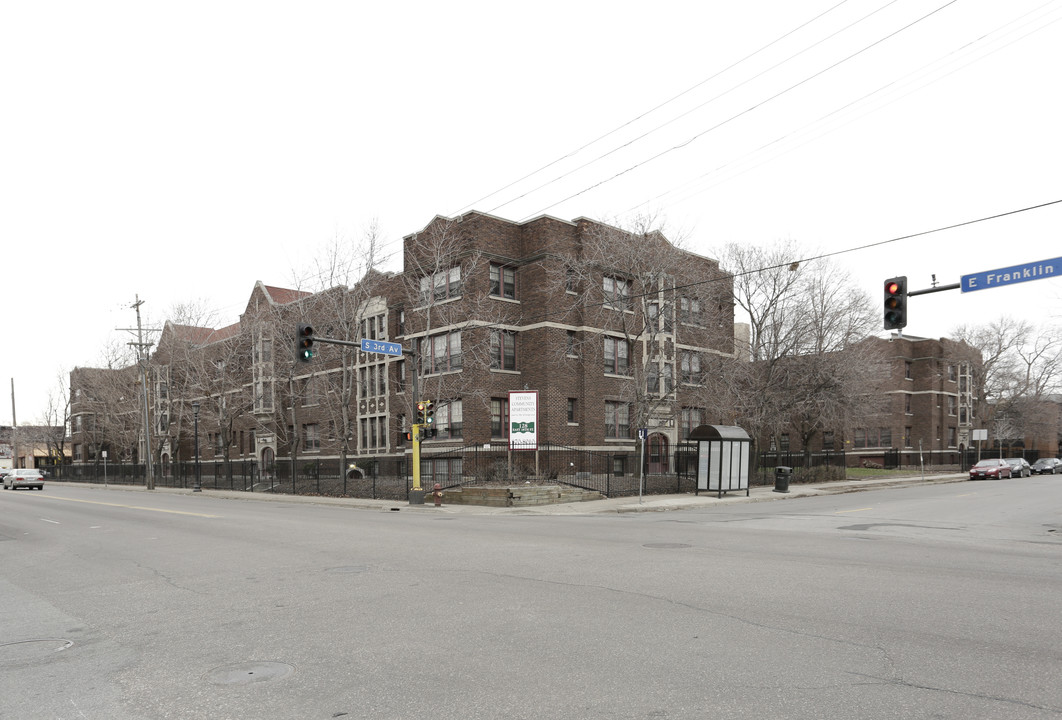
(345, 308)
(1021, 367)
(441, 265)
(661, 311)
(806, 367)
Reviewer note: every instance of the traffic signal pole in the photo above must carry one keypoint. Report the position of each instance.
(896, 295)
(304, 353)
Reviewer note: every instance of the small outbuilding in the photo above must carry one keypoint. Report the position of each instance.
(723, 458)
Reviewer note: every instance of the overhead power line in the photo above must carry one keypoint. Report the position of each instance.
(745, 111)
(685, 92)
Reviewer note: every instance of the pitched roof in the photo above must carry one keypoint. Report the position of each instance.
(283, 296)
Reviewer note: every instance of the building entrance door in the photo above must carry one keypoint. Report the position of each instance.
(658, 454)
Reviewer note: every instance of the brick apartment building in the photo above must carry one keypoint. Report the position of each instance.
(608, 328)
(925, 402)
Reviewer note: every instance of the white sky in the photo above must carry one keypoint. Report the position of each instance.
(182, 151)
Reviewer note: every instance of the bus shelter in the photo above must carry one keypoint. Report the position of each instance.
(723, 458)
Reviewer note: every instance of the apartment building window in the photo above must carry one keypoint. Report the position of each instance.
(263, 396)
(659, 317)
(571, 348)
(441, 353)
(78, 457)
(907, 436)
(951, 373)
(502, 281)
(502, 350)
(654, 375)
(690, 311)
(952, 404)
(449, 420)
(691, 418)
(907, 370)
(442, 285)
(617, 292)
(617, 420)
(401, 322)
(400, 376)
(872, 437)
(964, 415)
(219, 444)
(311, 391)
(311, 439)
(571, 411)
(690, 365)
(953, 437)
(499, 417)
(907, 404)
(617, 352)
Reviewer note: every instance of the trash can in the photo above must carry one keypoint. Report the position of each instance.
(781, 478)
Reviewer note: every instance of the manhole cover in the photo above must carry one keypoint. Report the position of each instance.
(666, 546)
(251, 672)
(29, 649)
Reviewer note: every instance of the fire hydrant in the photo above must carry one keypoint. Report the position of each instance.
(436, 493)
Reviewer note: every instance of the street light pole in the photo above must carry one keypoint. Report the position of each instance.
(195, 414)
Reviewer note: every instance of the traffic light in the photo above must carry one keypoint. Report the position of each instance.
(304, 343)
(421, 407)
(429, 412)
(405, 437)
(896, 303)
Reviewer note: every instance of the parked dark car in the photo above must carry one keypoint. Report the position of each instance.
(1047, 466)
(992, 468)
(1019, 467)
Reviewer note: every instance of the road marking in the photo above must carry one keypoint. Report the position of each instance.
(841, 512)
(966, 495)
(129, 507)
(53, 522)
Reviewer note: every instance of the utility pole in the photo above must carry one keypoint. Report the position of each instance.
(142, 349)
(14, 428)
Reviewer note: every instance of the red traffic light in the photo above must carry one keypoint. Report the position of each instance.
(895, 305)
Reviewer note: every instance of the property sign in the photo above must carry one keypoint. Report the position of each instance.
(381, 346)
(1011, 275)
(523, 420)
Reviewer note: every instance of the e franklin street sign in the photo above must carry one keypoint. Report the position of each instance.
(1012, 275)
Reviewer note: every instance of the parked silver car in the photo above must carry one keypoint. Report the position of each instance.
(1019, 467)
(24, 477)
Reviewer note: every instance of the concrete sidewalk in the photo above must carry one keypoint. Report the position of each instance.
(648, 503)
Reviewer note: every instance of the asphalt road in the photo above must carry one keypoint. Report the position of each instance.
(939, 601)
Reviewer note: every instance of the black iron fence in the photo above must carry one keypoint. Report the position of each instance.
(612, 473)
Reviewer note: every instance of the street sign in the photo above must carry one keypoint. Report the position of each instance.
(643, 433)
(381, 346)
(1011, 275)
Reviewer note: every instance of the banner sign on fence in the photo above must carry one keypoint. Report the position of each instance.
(523, 420)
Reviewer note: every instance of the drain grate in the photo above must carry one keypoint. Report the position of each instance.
(250, 672)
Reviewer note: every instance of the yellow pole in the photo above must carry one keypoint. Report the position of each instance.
(416, 456)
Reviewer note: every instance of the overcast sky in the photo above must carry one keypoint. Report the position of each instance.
(182, 151)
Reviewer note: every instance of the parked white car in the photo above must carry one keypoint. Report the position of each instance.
(24, 477)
